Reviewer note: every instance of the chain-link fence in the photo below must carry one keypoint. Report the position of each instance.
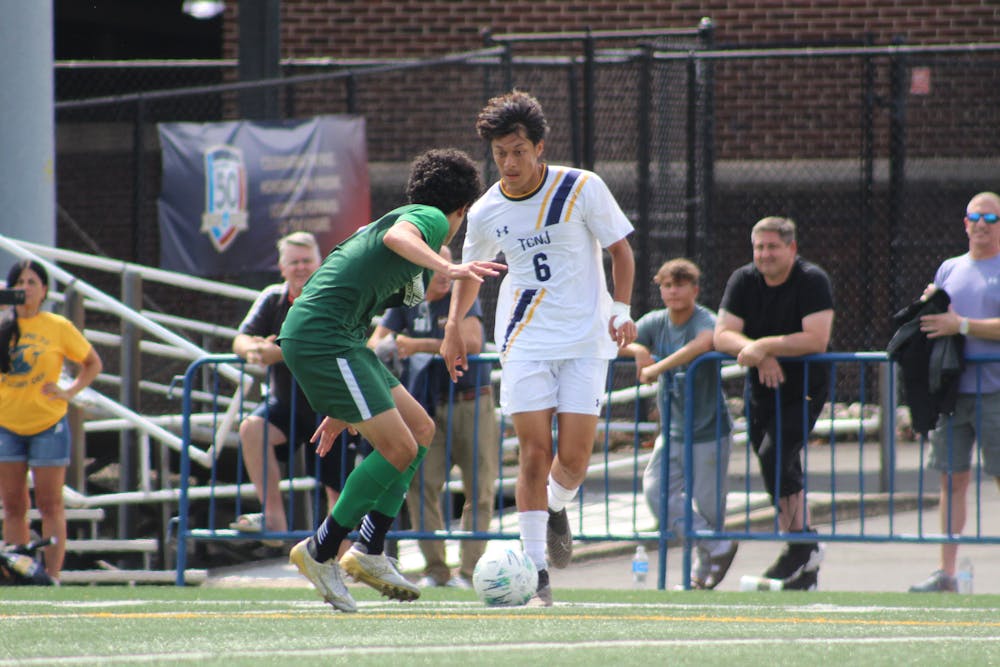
(873, 150)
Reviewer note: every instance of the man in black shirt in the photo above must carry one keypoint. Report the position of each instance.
(781, 306)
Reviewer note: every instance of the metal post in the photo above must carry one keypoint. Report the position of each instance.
(575, 131)
(691, 172)
(644, 110)
(260, 56)
(76, 474)
(886, 425)
(707, 86)
(131, 373)
(589, 101)
(897, 161)
(866, 216)
(138, 189)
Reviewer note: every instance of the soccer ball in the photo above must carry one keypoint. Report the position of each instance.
(505, 578)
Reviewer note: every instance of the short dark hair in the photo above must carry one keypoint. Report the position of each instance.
(506, 114)
(445, 178)
(10, 332)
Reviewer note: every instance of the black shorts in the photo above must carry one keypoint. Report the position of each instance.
(333, 468)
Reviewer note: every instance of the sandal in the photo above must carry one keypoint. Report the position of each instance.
(253, 523)
(249, 523)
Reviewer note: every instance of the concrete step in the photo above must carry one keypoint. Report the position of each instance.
(72, 514)
(191, 577)
(112, 546)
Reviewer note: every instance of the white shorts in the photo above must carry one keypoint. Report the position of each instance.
(568, 385)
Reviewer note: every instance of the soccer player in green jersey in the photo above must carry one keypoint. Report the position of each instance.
(323, 339)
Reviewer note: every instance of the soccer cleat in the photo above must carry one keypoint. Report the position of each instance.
(718, 566)
(380, 572)
(794, 559)
(807, 580)
(559, 539)
(458, 581)
(326, 577)
(938, 582)
(543, 595)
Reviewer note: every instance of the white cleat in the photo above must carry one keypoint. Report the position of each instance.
(379, 572)
(326, 577)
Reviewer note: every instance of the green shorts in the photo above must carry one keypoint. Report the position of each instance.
(345, 383)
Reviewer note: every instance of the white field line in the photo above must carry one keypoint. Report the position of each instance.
(477, 649)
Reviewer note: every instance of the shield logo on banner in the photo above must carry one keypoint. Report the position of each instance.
(225, 213)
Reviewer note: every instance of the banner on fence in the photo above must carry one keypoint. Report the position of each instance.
(231, 190)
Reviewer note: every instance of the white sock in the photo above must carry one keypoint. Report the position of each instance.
(559, 495)
(533, 525)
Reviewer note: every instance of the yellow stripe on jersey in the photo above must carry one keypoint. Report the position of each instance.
(537, 299)
(576, 193)
(545, 202)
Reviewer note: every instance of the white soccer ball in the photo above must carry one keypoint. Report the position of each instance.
(505, 578)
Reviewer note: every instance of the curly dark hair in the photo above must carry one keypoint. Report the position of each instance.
(446, 178)
(509, 113)
(10, 332)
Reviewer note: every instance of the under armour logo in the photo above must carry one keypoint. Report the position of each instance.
(501, 231)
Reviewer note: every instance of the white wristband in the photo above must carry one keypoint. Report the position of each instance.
(963, 326)
(620, 314)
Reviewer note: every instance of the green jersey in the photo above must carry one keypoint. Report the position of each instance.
(360, 278)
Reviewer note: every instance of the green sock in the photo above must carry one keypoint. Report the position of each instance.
(369, 481)
(390, 502)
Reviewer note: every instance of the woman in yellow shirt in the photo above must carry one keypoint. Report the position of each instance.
(34, 433)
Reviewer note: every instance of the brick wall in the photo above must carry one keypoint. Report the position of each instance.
(390, 28)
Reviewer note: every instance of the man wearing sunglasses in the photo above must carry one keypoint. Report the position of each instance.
(972, 281)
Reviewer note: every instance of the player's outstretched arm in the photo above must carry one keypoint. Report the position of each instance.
(453, 347)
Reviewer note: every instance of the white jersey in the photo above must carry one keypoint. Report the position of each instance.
(554, 301)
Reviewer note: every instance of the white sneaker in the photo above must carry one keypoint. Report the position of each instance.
(458, 581)
(380, 572)
(325, 577)
(427, 581)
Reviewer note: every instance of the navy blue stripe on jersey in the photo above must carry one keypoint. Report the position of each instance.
(519, 310)
(559, 199)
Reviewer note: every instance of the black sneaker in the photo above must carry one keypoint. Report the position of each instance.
(543, 594)
(807, 580)
(718, 566)
(794, 559)
(559, 539)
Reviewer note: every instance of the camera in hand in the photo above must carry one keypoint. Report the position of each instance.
(11, 297)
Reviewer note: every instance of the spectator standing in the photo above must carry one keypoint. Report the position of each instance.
(780, 305)
(972, 281)
(471, 437)
(668, 340)
(34, 432)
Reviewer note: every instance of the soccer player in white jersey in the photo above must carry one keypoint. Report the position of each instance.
(556, 324)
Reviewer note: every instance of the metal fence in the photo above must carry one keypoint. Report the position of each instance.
(855, 466)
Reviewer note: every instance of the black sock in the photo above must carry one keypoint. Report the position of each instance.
(326, 542)
(373, 529)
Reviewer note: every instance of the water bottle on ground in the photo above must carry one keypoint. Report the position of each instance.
(964, 576)
(640, 567)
